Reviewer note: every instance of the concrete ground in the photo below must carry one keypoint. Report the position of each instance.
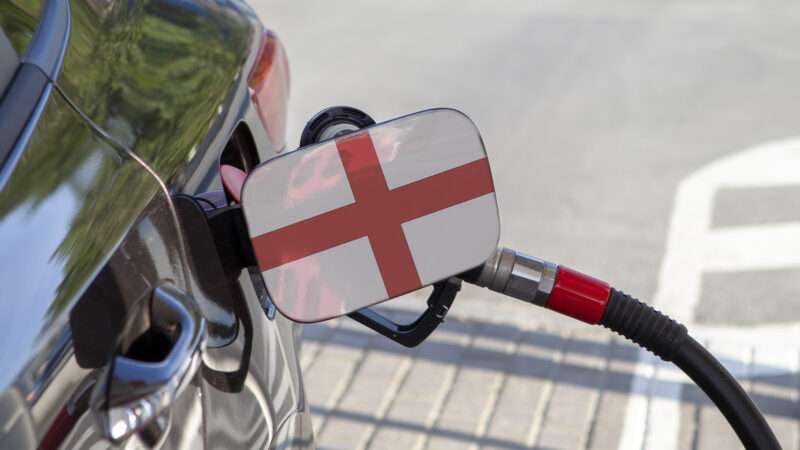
(652, 144)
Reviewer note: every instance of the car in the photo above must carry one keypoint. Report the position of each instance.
(129, 312)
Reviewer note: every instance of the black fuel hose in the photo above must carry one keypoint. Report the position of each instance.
(593, 301)
(669, 340)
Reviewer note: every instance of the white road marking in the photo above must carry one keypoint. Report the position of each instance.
(635, 428)
(693, 249)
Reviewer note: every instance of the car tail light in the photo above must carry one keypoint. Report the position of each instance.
(269, 87)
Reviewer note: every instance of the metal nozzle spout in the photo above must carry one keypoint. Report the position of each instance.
(518, 275)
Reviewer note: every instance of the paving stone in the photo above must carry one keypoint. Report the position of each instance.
(692, 402)
(480, 385)
(458, 401)
(775, 377)
(525, 387)
(333, 370)
(570, 411)
(610, 416)
(371, 384)
(314, 336)
(416, 404)
(472, 400)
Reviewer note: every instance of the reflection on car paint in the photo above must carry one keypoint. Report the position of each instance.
(170, 89)
(167, 68)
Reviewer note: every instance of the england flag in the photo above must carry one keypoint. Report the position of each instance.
(372, 215)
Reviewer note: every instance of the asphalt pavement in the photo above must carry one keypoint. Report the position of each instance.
(652, 144)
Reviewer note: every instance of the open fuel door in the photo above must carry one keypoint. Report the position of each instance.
(362, 218)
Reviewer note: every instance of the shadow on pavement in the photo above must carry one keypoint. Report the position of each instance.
(528, 365)
(411, 426)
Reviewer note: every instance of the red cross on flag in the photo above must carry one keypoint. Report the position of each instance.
(372, 215)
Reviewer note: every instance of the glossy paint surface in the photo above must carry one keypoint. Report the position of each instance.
(68, 295)
(148, 95)
(19, 20)
(348, 223)
(158, 75)
(60, 220)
